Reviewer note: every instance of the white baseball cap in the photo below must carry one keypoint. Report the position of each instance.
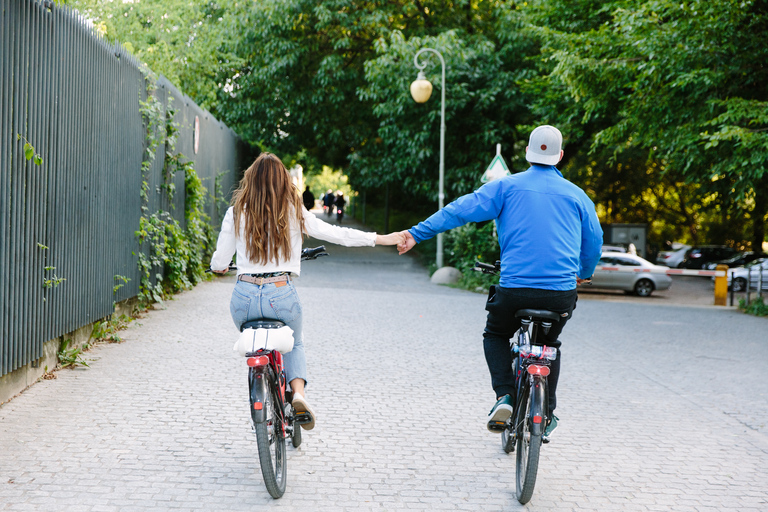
(545, 145)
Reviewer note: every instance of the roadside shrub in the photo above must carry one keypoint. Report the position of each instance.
(756, 307)
(467, 244)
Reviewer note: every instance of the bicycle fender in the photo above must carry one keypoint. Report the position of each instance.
(259, 397)
(538, 405)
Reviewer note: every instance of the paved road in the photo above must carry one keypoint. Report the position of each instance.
(662, 407)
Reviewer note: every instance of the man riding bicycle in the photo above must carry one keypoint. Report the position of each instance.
(550, 240)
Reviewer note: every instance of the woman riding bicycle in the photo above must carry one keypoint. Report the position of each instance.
(264, 226)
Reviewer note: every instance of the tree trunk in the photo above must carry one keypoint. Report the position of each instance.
(386, 210)
(759, 213)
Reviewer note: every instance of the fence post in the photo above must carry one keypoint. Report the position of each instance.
(749, 283)
(760, 283)
(721, 286)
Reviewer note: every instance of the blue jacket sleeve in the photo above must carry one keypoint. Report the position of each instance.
(591, 240)
(481, 205)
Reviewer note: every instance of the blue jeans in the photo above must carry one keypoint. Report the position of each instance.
(272, 302)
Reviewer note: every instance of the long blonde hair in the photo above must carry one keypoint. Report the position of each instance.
(267, 198)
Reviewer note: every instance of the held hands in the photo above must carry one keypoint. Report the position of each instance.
(407, 244)
(390, 239)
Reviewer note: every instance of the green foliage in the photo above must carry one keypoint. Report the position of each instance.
(673, 82)
(187, 41)
(120, 282)
(70, 356)
(470, 243)
(173, 256)
(29, 151)
(662, 104)
(756, 307)
(328, 179)
(480, 103)
(107, 330)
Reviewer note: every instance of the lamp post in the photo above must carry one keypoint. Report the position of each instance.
(421, 90)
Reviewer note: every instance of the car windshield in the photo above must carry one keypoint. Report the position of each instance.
(756, 262)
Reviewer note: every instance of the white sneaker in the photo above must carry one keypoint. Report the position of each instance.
(300, 405)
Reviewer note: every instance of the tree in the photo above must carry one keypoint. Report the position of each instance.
(684, 81)
(184, 40)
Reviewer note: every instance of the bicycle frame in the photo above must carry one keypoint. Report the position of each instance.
(536, 381)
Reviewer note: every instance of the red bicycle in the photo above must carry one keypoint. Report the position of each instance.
(274, 419)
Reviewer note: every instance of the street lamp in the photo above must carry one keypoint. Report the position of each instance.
(421, 90)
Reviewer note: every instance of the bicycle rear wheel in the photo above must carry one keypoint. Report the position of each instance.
(271, 443)
(528, 448)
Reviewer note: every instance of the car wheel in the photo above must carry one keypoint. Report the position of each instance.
(739, 284)
(644, 287)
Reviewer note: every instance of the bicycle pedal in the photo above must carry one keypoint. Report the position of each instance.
(497, 426)
(302, 418)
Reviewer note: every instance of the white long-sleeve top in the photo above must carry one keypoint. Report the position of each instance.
(229, 243)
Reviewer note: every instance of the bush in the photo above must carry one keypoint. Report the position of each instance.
(756, 307)
(467, 244)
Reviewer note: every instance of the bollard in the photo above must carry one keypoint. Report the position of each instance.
(721, 286)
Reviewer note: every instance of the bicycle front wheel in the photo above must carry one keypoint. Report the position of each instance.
(271, 443)
(528, 448)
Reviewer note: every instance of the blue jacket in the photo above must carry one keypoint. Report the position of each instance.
(548, 229)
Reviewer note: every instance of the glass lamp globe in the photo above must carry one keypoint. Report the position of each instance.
(421, 89)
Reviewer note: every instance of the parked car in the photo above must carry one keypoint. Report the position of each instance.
(674, 257)
(740, 276)
(640, 283)
(737, 260)
(697, 257)
(614, 248)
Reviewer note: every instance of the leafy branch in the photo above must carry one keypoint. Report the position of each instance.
(29, 150)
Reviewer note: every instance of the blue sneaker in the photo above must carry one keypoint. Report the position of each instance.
(500, 413)
(551, 426)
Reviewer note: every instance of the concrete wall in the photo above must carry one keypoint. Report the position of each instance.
(20, 379)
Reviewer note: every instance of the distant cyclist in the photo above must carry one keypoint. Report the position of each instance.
(265, 226)
(550, 240)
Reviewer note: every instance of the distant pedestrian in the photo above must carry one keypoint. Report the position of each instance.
(308, 198)
(328, 202)
(339, 203)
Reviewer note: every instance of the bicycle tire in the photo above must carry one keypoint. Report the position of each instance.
(508, 441)
(296, 435)
(528, 449)
(269, 435)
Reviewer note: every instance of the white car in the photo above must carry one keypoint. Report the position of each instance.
(674, 257)
(644, 278)
(740, 275)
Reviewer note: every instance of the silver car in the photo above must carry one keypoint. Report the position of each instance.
(674, 257)
(739, 276)
(643, 280)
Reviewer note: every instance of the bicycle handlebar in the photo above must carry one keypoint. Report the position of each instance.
(485, 268)
(313, 253)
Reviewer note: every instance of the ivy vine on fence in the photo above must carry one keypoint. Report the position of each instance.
(173, 257)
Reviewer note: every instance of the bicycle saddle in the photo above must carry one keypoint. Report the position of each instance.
(538, 313)
(262, 324)
(264, 334)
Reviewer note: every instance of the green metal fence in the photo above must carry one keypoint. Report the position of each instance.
(75, 98)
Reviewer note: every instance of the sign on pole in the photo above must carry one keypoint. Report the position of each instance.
(497, 169)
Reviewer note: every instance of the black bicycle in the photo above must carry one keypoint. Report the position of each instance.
(273, 417)
(531, 359)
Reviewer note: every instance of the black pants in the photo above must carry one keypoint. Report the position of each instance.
(502, 325)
